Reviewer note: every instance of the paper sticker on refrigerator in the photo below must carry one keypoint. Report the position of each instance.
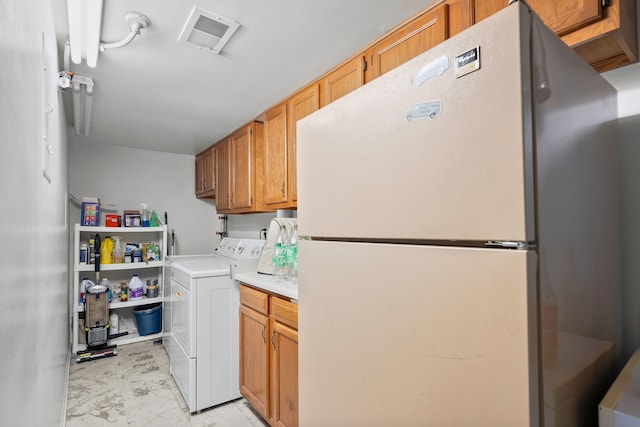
(428, 109)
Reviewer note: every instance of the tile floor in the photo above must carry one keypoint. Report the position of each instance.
(135, 388)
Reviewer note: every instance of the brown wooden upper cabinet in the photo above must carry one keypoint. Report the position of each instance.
(301, 105)
(252, 177)
(418, 35)
(280, 189)
(561, 17)
(240, 171)
(223, 174)
(407, 42)
(206, 174)
(342, 80)
(605, 37)
(276, 157)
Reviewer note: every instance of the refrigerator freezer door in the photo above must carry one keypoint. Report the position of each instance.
(416, 335)
(465, 174)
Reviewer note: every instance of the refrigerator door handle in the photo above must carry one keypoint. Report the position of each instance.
(508, 244)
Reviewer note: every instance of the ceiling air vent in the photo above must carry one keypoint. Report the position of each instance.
(206, 30)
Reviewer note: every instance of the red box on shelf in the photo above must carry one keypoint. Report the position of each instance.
(112, 220)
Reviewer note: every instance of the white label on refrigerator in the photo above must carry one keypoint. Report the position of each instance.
(435, 68)
(467, 62)
(422, 110)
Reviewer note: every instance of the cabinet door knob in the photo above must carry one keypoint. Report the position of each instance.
(264, 333)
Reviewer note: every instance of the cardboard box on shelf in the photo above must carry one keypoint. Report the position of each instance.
(132, 219)
(90, 211)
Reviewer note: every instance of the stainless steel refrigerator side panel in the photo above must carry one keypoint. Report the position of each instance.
(577, 231)
(461, 175)
(440, 336)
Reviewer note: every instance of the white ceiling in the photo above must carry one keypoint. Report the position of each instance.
(158, 94)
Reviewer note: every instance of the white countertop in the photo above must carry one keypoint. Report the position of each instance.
(621, 405)
(269, 284)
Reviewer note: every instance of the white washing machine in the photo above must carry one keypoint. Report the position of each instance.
(202, 320)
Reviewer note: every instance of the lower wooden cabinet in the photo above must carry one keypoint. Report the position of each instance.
(269, 355)
(254, 359)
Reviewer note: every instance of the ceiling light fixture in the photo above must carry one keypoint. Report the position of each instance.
(82, 100)
(85, 23)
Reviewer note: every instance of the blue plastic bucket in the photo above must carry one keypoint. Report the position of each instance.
(149, 319)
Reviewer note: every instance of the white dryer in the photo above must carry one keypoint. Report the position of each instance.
(202, 320)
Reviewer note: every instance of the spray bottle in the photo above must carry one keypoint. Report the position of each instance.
(118, 253)
(145, 214)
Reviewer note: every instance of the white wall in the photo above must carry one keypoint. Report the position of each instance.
(248, 226)
(629, 150)
(627, 81)
(34, 317)
(125, 177)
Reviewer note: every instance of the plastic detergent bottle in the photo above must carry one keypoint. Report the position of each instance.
(106, 249)
(136, 288)
(86, 283)
(107, 284)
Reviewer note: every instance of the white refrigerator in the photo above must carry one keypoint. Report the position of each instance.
(458, 260)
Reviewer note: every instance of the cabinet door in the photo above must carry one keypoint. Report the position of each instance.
(276, 156)
(205, 174)
(209, 175)
(407, 42)
(242, 169)
(199, 174)
(344, 79)
(301, 105)
(460, 15)
(223, 175)
(611, 42)
(284, 376)
(563, 17)
(486, 8)
(605, 38)
(254, 359)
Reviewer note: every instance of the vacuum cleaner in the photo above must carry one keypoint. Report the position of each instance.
(96, 317)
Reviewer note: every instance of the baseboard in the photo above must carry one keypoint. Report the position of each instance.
(63, 420)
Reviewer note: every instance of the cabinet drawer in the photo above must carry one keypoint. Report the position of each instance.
(255, 299)
(284, 312)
